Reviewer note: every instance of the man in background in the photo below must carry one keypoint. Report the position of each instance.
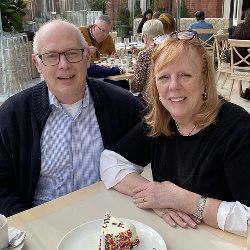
(201, 24)
(98, 38)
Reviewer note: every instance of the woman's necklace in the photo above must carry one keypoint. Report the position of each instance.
(177, 126)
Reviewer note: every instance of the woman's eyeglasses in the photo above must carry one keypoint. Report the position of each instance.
(181, 35)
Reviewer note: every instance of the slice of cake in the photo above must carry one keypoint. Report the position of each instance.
(117, 235)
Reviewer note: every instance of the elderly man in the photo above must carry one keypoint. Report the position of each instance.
(98, 38)
(52, 134)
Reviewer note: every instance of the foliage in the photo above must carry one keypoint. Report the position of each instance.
(12, 14)
(98, 5)
(162, 10)
(137, 9)
(184, 11)
(152, 5)
(123, 15)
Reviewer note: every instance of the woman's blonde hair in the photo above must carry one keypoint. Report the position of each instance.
(159, 118)
(168, 22)
(152, 28)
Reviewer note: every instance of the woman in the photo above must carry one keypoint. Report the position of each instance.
(150, 30)
(168, 22)
(242, 32)
(146, 16)
(198, 145)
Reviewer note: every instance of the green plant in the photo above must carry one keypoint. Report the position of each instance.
(137, 9)
(12, 14)
(183, 11)
(162, 10)
(123, 15)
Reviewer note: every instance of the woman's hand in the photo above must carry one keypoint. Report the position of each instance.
(133, 49)
(158, 195)
(174, 218)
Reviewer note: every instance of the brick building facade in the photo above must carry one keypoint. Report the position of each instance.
(212, 8)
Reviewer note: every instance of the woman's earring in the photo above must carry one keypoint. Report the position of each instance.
(204, 95)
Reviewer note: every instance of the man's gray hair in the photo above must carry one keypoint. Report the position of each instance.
(152, 28)
(57, 22)
(103, 18)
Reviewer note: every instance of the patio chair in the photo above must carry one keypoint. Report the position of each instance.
(221, 46)
(208, 43)
(238, 71)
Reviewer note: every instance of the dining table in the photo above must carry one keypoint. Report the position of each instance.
(47, 224)
(127, 75)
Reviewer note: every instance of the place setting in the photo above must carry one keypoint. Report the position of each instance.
(10, 237)
(113, 233)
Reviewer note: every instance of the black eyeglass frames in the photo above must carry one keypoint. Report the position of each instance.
(53, 58)
(181, 35)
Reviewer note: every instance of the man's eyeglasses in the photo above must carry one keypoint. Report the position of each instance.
(181, 35)
(102, 30)
(53, 58)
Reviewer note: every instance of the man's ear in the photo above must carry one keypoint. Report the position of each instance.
(35, 61)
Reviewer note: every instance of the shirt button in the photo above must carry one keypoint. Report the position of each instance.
(78, 175)
(77, 149)
(74, 123)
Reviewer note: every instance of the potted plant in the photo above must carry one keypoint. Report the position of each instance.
(122, 19)
(12, 13)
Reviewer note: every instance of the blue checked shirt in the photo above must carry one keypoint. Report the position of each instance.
(70, 150)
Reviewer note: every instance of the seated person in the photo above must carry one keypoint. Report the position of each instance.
(198, 145)
(150, 30)
(201, 24)
(102, 71)
(242, 32)
(168, 22)
(52, 134)
(98, 38)
(147, 15)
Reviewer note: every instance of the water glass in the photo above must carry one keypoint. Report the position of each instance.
(119, 39)
(139, 40)
(126, 41)
(133, 39)
(103, 57)
(248, 234)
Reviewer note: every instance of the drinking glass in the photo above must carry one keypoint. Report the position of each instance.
(126, 41)
(139, 40)
(248, 234)
(119, 39)
(132, 39)
(103, 57)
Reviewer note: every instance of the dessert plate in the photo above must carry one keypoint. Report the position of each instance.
(88, 235)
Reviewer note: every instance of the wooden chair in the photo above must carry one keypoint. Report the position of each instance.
(114, 36)
(240, 73)
(209, 43)
(221, 46)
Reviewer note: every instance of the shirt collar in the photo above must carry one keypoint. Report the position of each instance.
(87, 99)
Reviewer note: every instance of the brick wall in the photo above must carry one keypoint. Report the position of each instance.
(212, 8)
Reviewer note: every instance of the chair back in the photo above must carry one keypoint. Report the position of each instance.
(222, 47)
(240, 59)
(206, 37)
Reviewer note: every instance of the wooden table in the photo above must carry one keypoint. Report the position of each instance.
(125, 76)
(47, 224)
